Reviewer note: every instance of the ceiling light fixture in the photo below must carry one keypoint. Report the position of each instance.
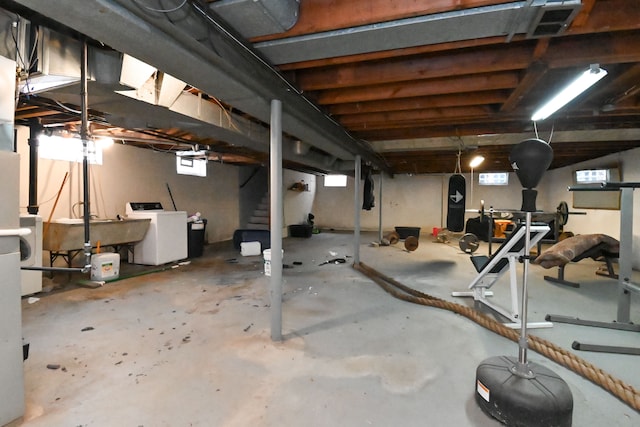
(476, 161)
(575, 88)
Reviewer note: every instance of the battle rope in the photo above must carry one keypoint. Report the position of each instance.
(623, 391)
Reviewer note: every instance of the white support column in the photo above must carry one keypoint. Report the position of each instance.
(356, 208)
(275, 190)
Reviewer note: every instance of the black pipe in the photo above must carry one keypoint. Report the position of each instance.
(57, 269)
(35, 129)
(84, 135)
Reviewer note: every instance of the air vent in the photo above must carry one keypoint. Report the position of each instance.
(553, 18)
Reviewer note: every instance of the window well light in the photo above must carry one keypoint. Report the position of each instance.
(575, 88)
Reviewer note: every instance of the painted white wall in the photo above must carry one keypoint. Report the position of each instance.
(418, 200)
(133, 174)
(297, 204)
(406, 201)
(414, 201)
(555, 185)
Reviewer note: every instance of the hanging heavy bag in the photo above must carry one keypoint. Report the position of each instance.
(368, 200)
(456, 203)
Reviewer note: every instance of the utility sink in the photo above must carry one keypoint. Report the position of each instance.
(67, 234)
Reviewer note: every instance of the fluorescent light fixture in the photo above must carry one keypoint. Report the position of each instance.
(575, 88)
(476, 161)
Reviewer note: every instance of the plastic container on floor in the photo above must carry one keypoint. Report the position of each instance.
(105, 266)
(250, 248)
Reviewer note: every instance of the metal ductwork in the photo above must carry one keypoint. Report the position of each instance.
(535, 18)
(191, 45)
(135, 95)
(553, 18)
(255, 18)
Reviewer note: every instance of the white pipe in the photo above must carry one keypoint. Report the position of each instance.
(10, 232)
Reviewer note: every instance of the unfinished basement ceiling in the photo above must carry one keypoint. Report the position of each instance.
(404, 84)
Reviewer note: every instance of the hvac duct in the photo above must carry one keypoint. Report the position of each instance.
(255, 18)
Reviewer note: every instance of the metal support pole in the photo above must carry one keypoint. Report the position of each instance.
(356, 208)
(380, 209)
(84, 135)
(626, 254)
(522, 356)
(275, 189)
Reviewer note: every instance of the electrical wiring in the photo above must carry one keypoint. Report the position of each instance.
(175, 9)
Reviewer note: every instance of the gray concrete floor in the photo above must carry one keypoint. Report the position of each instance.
(190, 346)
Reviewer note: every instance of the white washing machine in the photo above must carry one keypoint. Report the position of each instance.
(166, 237)
(31, 254)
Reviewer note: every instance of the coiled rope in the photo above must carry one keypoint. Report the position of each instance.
(623, 391)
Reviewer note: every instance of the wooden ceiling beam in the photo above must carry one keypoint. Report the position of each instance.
(584, 15)
(561, 53)
(411, 117)
(532, 75)
(508, 125)
(494, 59)
(613, 48)
(497, 157)
(605, 16)
(393, 53)
(623, 89)
(441, 86)
(418, 103)
(40, 112)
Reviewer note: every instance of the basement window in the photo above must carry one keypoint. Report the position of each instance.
(68, 149)
(186, 165)
(592, 176)
(493, 178)
(335, 180)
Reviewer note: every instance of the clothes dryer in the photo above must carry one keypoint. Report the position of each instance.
(166, 237)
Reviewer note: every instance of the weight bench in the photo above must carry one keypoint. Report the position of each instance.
(577, 248)
(490, 269)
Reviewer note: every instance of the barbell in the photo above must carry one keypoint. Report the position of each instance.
(562, 212)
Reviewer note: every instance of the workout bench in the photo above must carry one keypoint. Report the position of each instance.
(577, 248)
(490, 269)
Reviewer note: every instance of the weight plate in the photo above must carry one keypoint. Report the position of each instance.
(563, 213)
(469, 243)
(393, 237)
(411, 243)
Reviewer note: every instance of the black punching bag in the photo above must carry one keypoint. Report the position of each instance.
(530, 159)
(456, 203)
(514, 391)
(368, 199)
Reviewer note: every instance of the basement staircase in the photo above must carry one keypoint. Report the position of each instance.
(260, 218)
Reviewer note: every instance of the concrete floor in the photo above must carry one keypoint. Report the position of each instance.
(190, 346)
